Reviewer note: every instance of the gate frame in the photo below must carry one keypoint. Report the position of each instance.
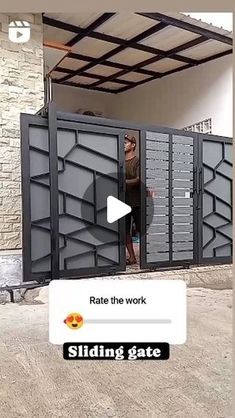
(197, 188)
(53, 118)
(212, 260)
(162, 264)
(55, 272)
(142, 128)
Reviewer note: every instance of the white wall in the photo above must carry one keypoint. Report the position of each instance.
(176, 101)
(71, 99)
(183, 98)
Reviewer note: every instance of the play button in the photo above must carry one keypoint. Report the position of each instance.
(98, 208)
(116, 209)
(19, 34)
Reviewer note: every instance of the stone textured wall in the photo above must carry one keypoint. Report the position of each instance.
(21, 90)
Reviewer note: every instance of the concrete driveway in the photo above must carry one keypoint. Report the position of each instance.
(35, 382)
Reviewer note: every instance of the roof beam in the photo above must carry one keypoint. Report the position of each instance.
(122, 89)
(216, 56)
(138, 83)
(186, 45)
(94, 25)
(120, 48)
(170, 54)
(209, 34)
(185, 67)
(85, 86)
(132, 43)
(101, 78)
(111, 64)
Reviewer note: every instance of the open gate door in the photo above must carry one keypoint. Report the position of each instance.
(68, 171)
(169, 232)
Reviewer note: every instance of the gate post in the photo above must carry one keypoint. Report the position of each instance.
(199, 202)
(53, 168)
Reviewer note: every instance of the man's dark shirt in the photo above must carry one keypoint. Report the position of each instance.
(132, 191)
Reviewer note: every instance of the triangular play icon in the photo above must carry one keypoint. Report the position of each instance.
(116, 209)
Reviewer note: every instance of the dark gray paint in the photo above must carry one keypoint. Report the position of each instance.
(217, 199)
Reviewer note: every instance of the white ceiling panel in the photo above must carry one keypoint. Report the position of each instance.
(205, 50)
(82, 19)
(131, 56)
(103, 70)
(112, 86)
(82, 80)
(72, 64)
(134, 77)
(169, 38)
(126, 25)
(52, 57)
(93, 47)
(166, 64)
(56, 75)
(56, 35)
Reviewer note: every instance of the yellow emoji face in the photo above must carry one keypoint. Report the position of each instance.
(74, 320)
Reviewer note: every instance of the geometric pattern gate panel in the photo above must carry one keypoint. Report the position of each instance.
(217, 199)
(40, 234)
(170, 213)
(188, 219)
(88, 172)
(89, 168)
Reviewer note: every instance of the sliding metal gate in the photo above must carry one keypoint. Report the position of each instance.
(72, 163)
(169, 172)
(191, 177)
(69, 169)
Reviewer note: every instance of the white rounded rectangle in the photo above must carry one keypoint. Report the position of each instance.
(111, 310)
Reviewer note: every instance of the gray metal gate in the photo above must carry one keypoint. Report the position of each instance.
(169, 218)
(72, 163)
(69, 169)
(216, 198)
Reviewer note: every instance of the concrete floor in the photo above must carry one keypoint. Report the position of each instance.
(35, 382)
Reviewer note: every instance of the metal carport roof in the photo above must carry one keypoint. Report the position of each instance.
(115, 52)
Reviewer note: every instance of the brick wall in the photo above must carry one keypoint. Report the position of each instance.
(21, 90)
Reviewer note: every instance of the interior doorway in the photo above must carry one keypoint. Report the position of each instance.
(133, 228)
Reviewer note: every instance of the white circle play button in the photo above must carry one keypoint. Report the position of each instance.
(116, 209)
